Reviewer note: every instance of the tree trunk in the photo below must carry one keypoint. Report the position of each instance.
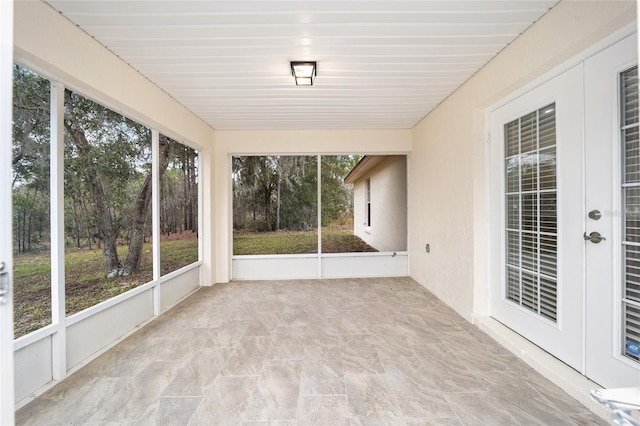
(136, 236)
(18, 232)
(106, 229)
(29, 231)
(24, 231)
(185, 191)
(278, 202)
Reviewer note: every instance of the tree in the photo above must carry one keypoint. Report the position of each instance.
(30, 162)
(106, 151)
(179, 191)
(274, 192)
(337, 197)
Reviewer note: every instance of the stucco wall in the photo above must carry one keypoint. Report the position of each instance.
(388, 231)
(447, 166)
(256, 142)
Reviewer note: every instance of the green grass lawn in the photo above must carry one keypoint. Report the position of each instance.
(334, 240)
(86, 284)
(85, 280)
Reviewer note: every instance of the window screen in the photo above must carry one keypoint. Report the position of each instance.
(531, 212)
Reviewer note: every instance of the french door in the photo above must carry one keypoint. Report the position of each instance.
(565, 203)
(536, 187)
(612, 201)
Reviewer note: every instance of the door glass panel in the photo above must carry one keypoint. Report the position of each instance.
(531, 212)
(631, 207)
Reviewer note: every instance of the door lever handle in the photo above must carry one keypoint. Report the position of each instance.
(594, 237)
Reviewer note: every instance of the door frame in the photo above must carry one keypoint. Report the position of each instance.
(7, 404)
(533, 354)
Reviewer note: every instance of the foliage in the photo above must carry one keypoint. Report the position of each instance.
(107, 198)
(280, 192)
(30, 162)
(274, 192)
(337, 197)
(179, 191)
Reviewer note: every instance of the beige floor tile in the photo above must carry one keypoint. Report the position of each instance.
(375, 351)
(323, 411)
(170, 411)
(225, 403)
(322, 371)
(372, 399)
(277, 391)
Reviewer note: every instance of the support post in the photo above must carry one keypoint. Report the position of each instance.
(58, 314)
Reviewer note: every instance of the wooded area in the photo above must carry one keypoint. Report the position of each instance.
(272, 193)
(107, 185)
(107, 177)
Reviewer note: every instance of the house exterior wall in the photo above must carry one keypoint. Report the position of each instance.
(448, 173)
(297, 142)
(388, 230)
(447, 193)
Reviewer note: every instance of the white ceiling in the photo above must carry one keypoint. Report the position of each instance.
(381, 63)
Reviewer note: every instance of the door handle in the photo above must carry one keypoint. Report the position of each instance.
(4, 283)
(594, 237)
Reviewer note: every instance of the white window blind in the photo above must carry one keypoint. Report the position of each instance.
(531, 212)
(631, 207)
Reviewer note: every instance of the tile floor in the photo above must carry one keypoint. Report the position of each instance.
(332, 352)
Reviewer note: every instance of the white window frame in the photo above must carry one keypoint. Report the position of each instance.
(328, 265)
(165, 290)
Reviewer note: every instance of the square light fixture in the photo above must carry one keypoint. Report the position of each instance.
(303, 72)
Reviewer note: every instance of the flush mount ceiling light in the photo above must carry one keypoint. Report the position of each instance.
(303, 72)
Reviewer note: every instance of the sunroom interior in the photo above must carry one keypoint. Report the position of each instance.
(421, 81)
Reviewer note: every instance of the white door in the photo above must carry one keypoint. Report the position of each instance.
(612, 201)
(565, 204)
(536, 202)
(6, 301)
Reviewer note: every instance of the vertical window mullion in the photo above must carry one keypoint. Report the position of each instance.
(519, 154)
(58, 303)
(319, 208)
(155, 219)
(539, 199)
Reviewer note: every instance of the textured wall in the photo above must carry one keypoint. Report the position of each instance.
(447, 167)
(388, 205)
